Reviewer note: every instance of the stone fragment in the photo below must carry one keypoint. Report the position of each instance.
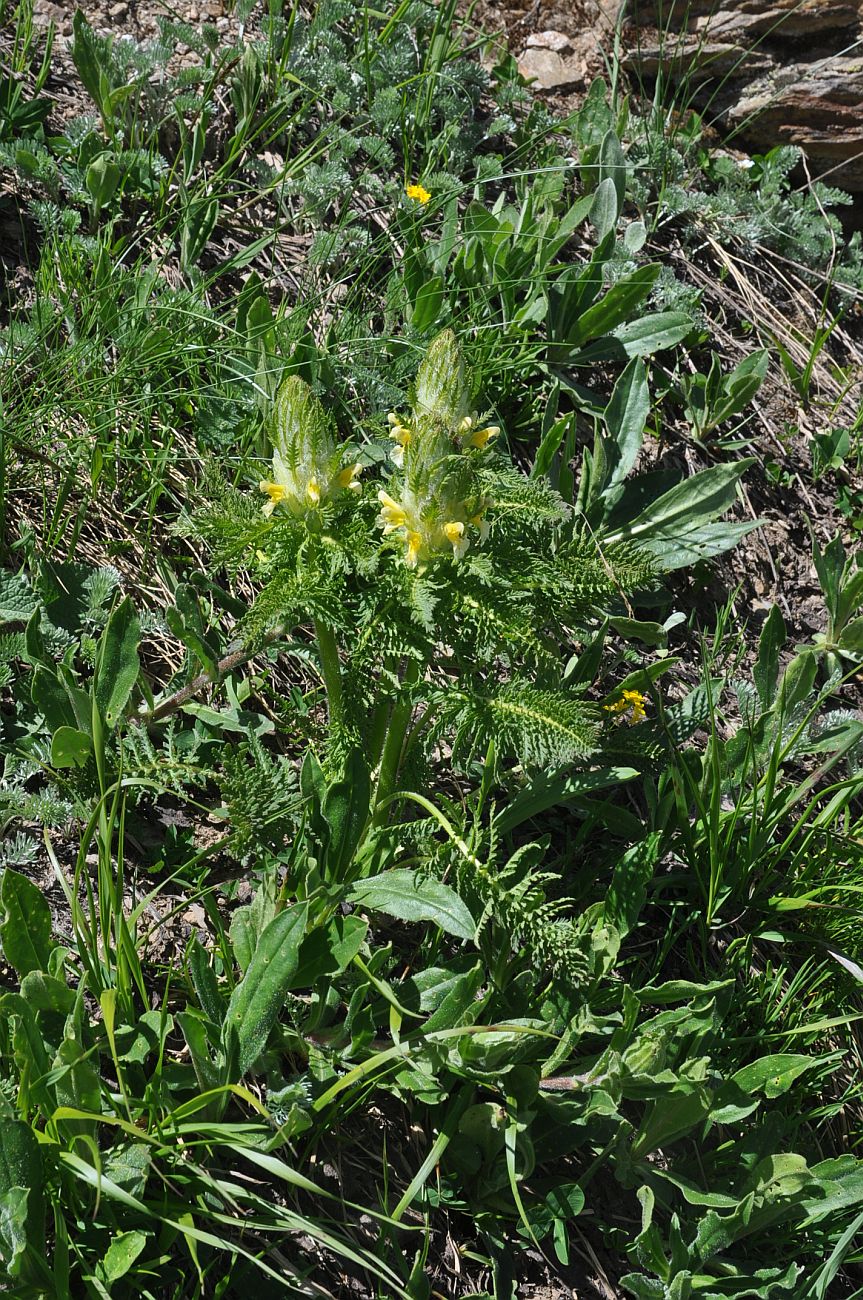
(557, 41)
(548, 69)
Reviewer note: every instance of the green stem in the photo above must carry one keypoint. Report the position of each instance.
(332, 672)
(394, 743)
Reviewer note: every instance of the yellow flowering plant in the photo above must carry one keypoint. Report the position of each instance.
(441, 595)
(309, 466)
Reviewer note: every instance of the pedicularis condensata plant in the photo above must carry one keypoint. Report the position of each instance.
(445, 598)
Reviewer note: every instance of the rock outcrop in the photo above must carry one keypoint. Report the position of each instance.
(774, 71)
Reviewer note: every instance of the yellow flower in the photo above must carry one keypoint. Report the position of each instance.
(414, 541)
(479, 521)
(392, 515)
(482, 437)
(455, 534)
(313, 491)
(631, 702)
(275, 491)
(349, 477)
(418, 193)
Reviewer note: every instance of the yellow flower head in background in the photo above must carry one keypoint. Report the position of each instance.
(418, 193)
(631, 702)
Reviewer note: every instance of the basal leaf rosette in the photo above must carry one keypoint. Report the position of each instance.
(309, 464)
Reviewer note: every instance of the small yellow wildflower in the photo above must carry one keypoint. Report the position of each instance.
(455, 534)
(414, 541)
(482, 437)
(392, 515)
(631, 702)
(313, 491)
(275, 491)
(401, 434)
(418, 193)
(349, 477)
(479, 521)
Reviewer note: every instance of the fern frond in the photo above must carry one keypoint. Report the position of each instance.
(542, 728)
(262, 799)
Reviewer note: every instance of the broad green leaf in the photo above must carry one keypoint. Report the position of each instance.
(44, 993)
(678, 991)
(259, 997)
(409, 896)
(118, 665)
(207, 988)
(120, 1256)
(26, 930)
(640, 338)
(774, 1075)
(102, 178)
(18, 601)
(459, 1004)
(427, 303)
(345, 809)
(70, 748)
(697, 500)
(669, 1118)
(13, 1230)
(766, 671)
(612, 166)
(616, 306)
(548, 791)
(550, 446)
(604, 208)
(627, 889)
(23, 1218)
(625, 417)
(329, 949)
(851, 637)
(52, 699)
(635, 629)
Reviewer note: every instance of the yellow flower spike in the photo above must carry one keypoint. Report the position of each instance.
(348, 478)
(313, 491)
(418, 193)
(275, 491)
(414, 541)
(392, 515)
(455, 534)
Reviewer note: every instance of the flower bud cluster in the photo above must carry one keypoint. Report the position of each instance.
(433, 506)
(308, 462)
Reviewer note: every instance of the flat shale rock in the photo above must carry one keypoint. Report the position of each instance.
(778, 71)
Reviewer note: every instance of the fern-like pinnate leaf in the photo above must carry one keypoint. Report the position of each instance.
(542, 728)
